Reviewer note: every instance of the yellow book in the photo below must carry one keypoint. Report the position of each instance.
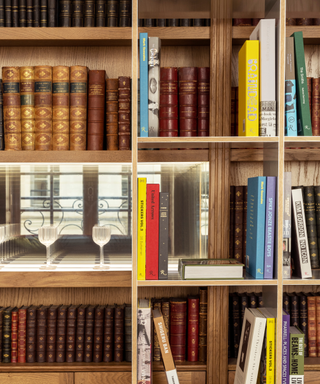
(142, 200)
(249, 87)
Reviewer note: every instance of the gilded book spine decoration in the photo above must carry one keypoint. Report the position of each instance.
(27, 108)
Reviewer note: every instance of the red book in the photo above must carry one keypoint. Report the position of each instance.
(22, 334)
(188, 101)
(14, 335)
(193, 328)
(203, 100)
(178, 329)
(315, 106)
(152, 239)
(168, 112)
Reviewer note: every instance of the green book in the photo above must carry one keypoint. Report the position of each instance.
(304, 119)
(296, 374)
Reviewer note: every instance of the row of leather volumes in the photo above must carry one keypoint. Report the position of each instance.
(65, 13)
(66, 333)
(302, 21)
(61, 108)
(174, 23)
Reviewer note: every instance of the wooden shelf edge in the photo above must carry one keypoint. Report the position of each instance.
(204, 283)
(240, 34)
(166, 156)
(311, 34)
(183, 366)
(179, 35)
(66, 367)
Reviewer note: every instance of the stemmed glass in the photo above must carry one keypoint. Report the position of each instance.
(47, 235)
(101, 235)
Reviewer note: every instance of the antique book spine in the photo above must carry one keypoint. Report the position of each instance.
(15, 13)
(52, 9)
(124, 115)
(148, 23)
(65, 13)
(188, 101)
(31, 334)
(318, 325)
(29, 13)
(286, 303)
(315, 106)
(119, 333)
(203, 100)
(2, 19)
(36, 13)
(43, 107)
(11, 108)
(1, 331)
(71, 333)
(101, 11)
(22, 13)
(125, 13)
(112, 13)
(198, 23)
(291, 21)
(193, 328)
(7, 12)
(294, 309)
(152, 232)
(156, 345)
(96, 105)
(6, 335)
(231, 231)
(154, 48)
(43, 13)
(27, 108)
(245, 209)
(89, 13)
(77, 13)
(242, 22)
(168, 113)
(233, 111)
(80, 335)
(60, 108)
(1, 122)
(165, 310)
(22, 333)
(14, 335)
(51, 333)
(78, 108)
(173, 22)
(98, 334)
(112, 108)
(303, 319)
(163, 235)
(310, 213)
(235, 323)
(238, 224)
(108, 346)
(61, 334)
(88, 334)
(178, 328)
(316, 21)
(41, 336)
(317, 208)
(253, 300)
(128, 333)
(161, 23)
(309, 84)
(244, 303)
(304, 21)
(312, 327)
(185, 22)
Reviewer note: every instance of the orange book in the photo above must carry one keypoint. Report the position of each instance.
(312, 326)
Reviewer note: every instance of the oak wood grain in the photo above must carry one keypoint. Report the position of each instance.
(45, 368)
(36, 378)
(102, 378)
(184, 377)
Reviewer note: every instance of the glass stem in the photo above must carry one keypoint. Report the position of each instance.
(101, 257)
(48, 255)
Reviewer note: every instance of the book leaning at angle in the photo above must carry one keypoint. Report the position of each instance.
(206, 269)
(144, 363)
(249, 84)
(251, 342)
(265, 32)
(142, 200)
(290, 91)
(296, 356)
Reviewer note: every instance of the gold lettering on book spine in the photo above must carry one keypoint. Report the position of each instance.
(27, 108)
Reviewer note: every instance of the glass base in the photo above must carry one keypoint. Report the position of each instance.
(101, 268)
(48, 267)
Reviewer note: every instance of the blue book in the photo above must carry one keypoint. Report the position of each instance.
(291, 121)
(144, 89)
(256, 222)
(285, 347)
(270, 224)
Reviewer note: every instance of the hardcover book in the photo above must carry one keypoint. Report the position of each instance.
(52, 333)
(163, 235)
(119, 333)
(71, 333)
(168, 102)
(203, 100)
(310, 215)
(193, 328)
(89, 13)
(286, 268)
(108, 334)
(296, 356)
(128, 332)
(142, 196)
(290, 91)
(144, 115)
(124, 116)
(156, 345)
(188, 101)
(315, 106)
(285, 347)
(312, 327)
(154, 47)
(31, 333)
(144, 342)
(303, 319)
(27, 108)
(80, 334)
(152, 232)
(178, 328)
(203, 324)
(270, 227)
(238, 224)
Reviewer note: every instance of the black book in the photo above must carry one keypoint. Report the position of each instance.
(1, 118)
(77, 13)
(294, 309)
(124, 13)
(15, 13)
(101, 12)
(303, 319)
(253, 300)
(112, 13)
(128, 333)
(173, 22)
(310, 213)
(236, 323)
(163, 236)
(161, 23)
(140, 23)
(231, 238)
(185, 22)
(317, 209)
(36, 13)
(286, 303)
(6, 335)
(148, 23)
(43, 13)
(89, 13)
(198, 22)
(65, 13)
(260, 299)
(207, 22)
(7, 11)
(2, 23)
(22, 13)
(29, 13)
(244, 303)
(52, 13)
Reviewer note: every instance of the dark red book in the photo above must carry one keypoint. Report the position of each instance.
(71, 333)
(88, 333)
(108, 334)
(152, 234)
(193, 328)
(315, 106)
(231, 236)
(203, 100)
(61, 334)
(31, 333)
(203, 324)
(81, 320)
(41, 333)
(124, 114)
(22, 334)
(52, 333)
(238, 224)
(188, 101)
(14, 335)
(242, 22)
(98, 334)
(168, 112)
(119, 333)
(178, 328)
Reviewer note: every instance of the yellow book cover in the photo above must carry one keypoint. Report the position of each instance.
(142, 200)
(270, 353)
(249, 87)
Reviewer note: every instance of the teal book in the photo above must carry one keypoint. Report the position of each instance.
(256, 215)
(144, 85)
(304, 118)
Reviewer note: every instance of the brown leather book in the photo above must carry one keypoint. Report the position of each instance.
(41, 333)
(315, 110)
(31, 333)
(304, 21)
(193, 328)
(11, 108)
(124, 116)
(27, 108)
(203, 325)
(178, 329)
(316, 21)
(78, 108)
(203, 100)
(14, 335)
(309, 85)
(88, 333)
(61, 334)
(81, 320)
(291, 21)
(188, 101)
(238, 224)
(119, 333)
(96, 105)
(98, 334)
(312, 326)
(231, 235)
(108, 334)
(60, 108)
(43, 107)
(112, 106)
(318, 324)
(156, 344)
(128, 332)
(52, 333)
(168, 111)
(22, 333)
(71, 333)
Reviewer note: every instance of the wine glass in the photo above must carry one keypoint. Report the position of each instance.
(101, 235)
(48, 235)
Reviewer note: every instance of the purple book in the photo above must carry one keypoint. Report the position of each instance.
(285, 347)
(269, 228)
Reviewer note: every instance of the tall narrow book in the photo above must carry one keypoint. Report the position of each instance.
(270, 227)
(27, 108)
(154, 48)
(142, 196)
(144, 341)
(152, 232)
(163, 235)
(286, 268)
(285, 347)
(144, 125)
(296, 356)
(291, 128)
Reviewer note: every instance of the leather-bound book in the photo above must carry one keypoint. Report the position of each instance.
(61, 334)
(52, 13)
(303, 319)
(235, 324)
(233, 111)
(165, 310)
(304, 21)
(148, 23)
(71, 333)
(260, 300)
(27, 108)
(315, 103)
(22, 334)
(178, 328)
(125, 13)
(231, 235)
(286, 302)
(43, 13)
(318, 324)
(203, 324)
(36, 13)
(112, 13)
(118, 333)
(316, 21)
(161, 22)
(253, 300)
(185, 22)
(81, 321)
(309, 86)
(245, 209)
(65, 9)
(168, 112)
(198, 22)
(89, 13)
(244, 303)
(317, 207)
(88, 334)
(128, 333)
(98, 334)
(101, 13)
(11, 108)
(310, 216)
(15, 13)
(77, 13)
(255, 21)
(112, 108)
(41, 337)
(51, 333)
(203, 100)
(156, 346)
(242, 22)
(29, 13)
(108, 334)
(193, 328)
(14, 334)
(294, 309)
(96, 105)
(124, 116)
(188, 101)
(1, 330)
(31, 333)
(6, 335)
(78, 108)
(238, 223)
(312, 326)
(22, 13)
(173, 22)
(8, 12)
(2, 17)
(43, 107)
(291, 21)
(1, 122)
(60, 108)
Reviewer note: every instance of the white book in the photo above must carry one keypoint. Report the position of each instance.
(251, 342)
(154, 85)
(302, 256)
(144, 341)
(265, 32)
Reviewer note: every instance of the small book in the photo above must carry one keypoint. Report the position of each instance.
(296, 356)
(207, 269)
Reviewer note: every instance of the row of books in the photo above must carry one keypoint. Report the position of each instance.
(174, 23)
(170, 107)
(65, 13)
(289, 21)
(65, 333)
(61, 108)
